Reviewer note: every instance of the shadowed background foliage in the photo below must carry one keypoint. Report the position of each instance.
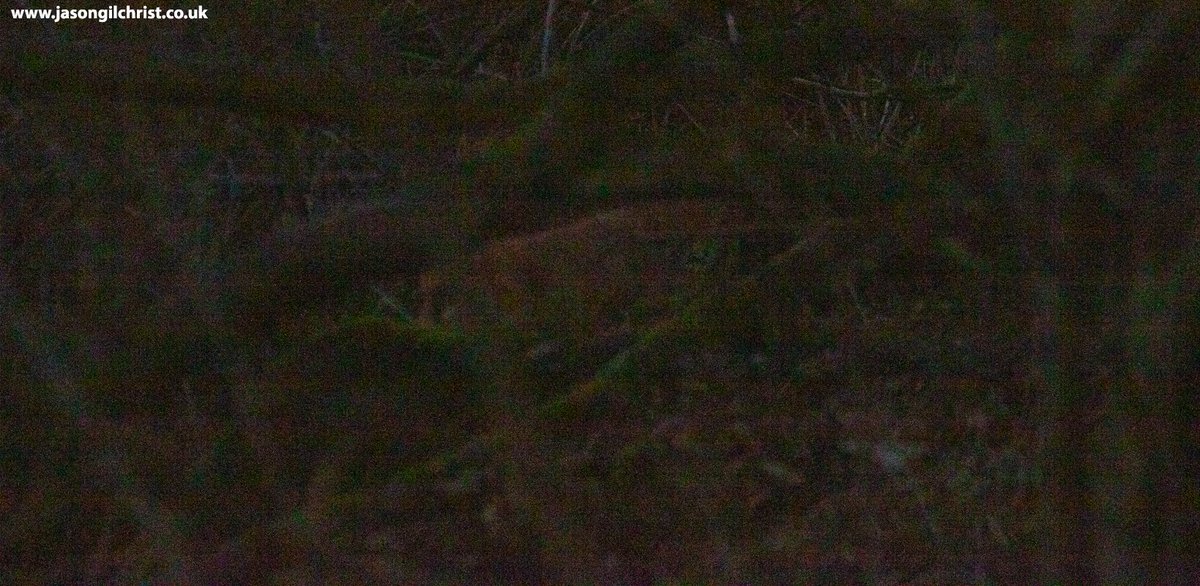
(591, 291)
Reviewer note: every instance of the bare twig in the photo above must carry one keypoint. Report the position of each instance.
(548, 34)
(689, 116)
(477, 53)
(430, 24)
(573, 39)
(731, 24)
(841, 92)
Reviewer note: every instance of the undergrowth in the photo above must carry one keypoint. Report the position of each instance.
(484, 294)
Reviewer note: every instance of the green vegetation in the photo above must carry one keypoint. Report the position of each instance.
(344, 293)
